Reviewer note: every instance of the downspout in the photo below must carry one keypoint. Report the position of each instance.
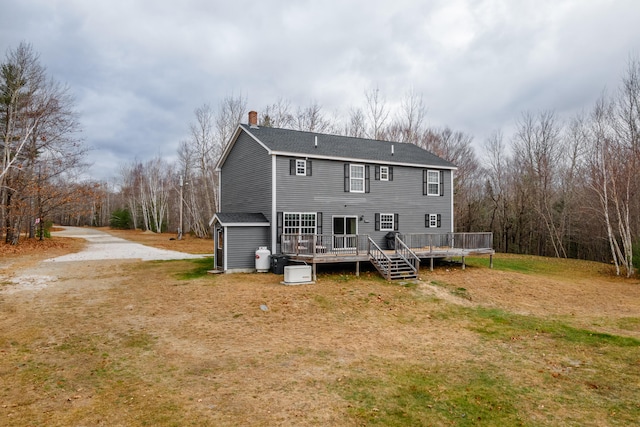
(225, 254)
(274, 214)
(452, 211)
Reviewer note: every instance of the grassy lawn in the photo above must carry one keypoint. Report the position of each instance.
(165, 344)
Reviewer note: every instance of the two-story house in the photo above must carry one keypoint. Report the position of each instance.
(328, 198)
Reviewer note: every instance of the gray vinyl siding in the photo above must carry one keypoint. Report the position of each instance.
(246, 178)
(324, 192)
(242, 243)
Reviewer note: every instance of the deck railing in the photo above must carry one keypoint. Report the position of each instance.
(359, 244)
(445, 241)
(320, 244)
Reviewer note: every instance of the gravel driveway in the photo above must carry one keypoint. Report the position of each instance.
(105, 246)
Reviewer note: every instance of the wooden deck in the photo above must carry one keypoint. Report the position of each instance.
(333, 249)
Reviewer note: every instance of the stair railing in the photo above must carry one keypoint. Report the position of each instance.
(377, 255)
(407, 254)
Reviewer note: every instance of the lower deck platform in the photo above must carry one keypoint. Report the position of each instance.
(423, 253)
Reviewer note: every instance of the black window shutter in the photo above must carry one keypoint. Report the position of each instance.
(346, 177)
(367, 176)
(279, 226)
(292, 166)
(377, 221)
(439, 220)
(395, 222)
(426, 220)
(308, 167)
(442, 183)
(319, 223)
(424, 182)
(390, 173)
(377, 178)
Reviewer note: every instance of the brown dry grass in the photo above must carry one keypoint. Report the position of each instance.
(188, 243)
(130, 343)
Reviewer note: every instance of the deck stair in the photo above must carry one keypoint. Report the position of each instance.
(392, 266)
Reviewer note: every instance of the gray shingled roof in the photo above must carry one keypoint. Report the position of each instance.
(303, 143)
(240, 218)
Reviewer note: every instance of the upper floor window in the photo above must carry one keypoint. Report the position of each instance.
(432, 183)
(301, 167)
(356, 179)
(384, 173)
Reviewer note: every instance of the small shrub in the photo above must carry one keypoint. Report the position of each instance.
(121, 219)
(45, 230)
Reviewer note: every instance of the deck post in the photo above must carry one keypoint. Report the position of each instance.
(431, 265)
(490, 260)
(313, 268)
(463, 265)
(357, 268)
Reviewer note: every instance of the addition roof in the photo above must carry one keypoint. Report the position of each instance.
(288, 142)
(240, 219)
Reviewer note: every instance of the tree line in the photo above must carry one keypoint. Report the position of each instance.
(561, 187)
(557, 186)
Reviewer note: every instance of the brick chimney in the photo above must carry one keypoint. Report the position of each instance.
(253, 119)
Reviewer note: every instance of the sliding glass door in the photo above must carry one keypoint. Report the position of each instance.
(344, 230)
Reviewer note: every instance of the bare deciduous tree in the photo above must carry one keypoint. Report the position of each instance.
(39, 140)
(377, 113)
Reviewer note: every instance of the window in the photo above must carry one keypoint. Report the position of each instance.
(356, 179)
(384, 173)
(432, 220)
(386, 222)
(299, 223)
(301, 167)
(432, 183)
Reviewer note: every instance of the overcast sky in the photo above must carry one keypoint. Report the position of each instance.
(139, 68)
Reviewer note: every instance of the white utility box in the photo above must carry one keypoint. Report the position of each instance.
(297, 274)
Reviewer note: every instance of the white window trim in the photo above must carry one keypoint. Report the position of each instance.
(299, 227)
(392, 216)
(430, 182)
(384, 173)
(433, 220)
(301, 167)
(352, 179)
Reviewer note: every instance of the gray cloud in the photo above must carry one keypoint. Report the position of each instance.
(139, 69)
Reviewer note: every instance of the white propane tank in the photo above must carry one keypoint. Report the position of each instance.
(263, 259)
